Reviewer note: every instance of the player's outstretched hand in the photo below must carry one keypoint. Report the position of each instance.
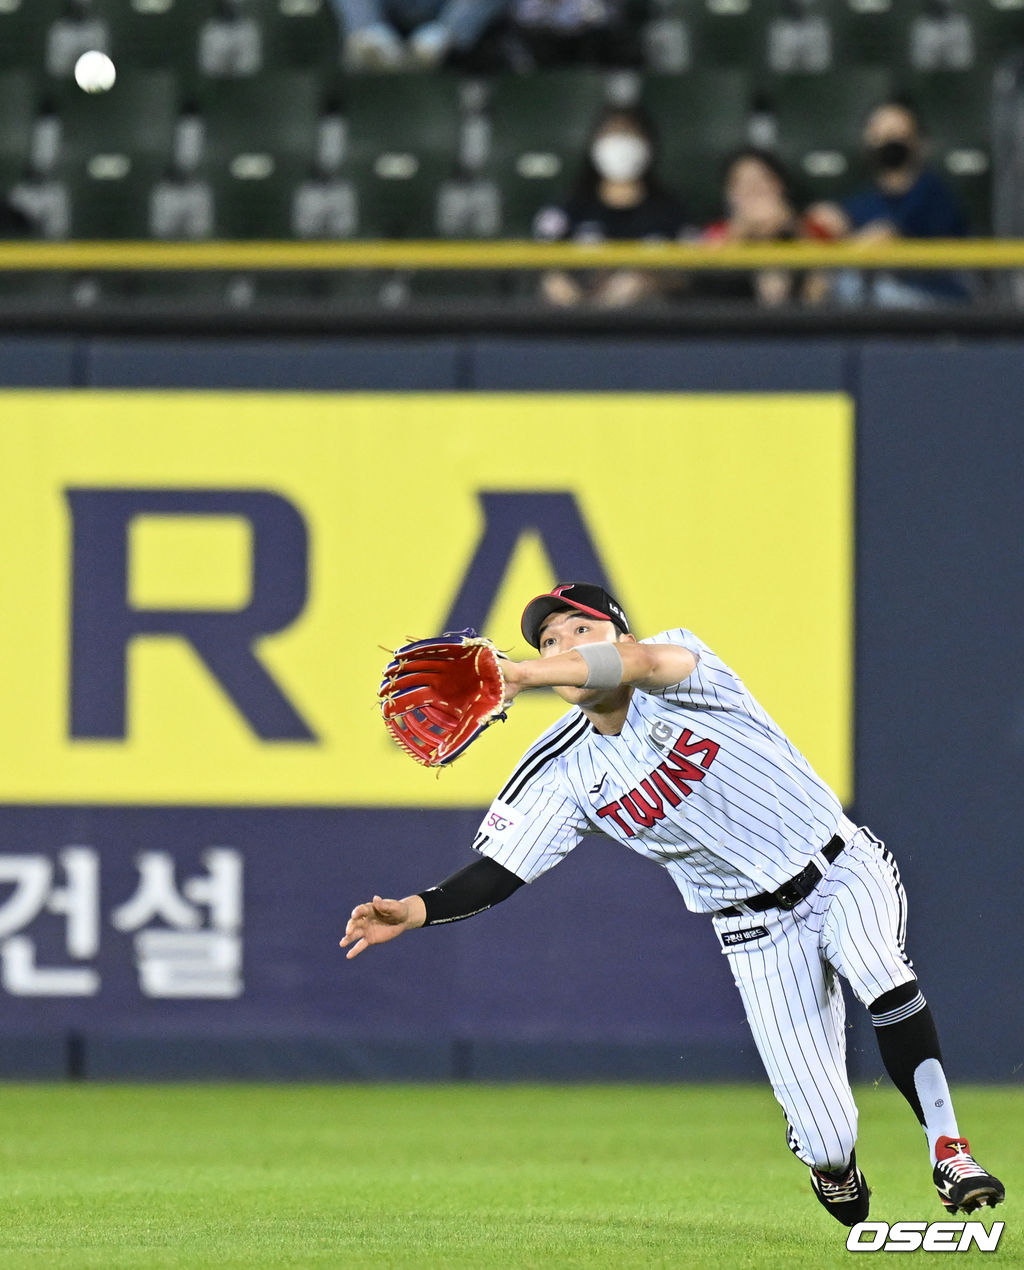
(379, 921)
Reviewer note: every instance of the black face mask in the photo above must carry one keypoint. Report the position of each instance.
(890, 155)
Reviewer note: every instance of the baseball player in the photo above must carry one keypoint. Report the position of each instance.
(665, 751)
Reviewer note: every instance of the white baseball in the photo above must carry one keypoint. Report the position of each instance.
(94, 72)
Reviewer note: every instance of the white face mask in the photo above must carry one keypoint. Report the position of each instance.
(620, 156)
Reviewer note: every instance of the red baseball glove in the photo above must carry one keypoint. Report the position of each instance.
(438, 695)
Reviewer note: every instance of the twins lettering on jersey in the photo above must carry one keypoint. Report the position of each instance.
(670, 782)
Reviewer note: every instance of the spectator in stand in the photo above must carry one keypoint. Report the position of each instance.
(905, 199)
(543, 33)
(618, 196)
(396, 35)
(759, 207)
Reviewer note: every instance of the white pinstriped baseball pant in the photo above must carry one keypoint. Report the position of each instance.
(852, 924)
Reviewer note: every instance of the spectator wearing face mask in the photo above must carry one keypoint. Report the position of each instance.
(618, 196)
(759, 207)
(905, 199)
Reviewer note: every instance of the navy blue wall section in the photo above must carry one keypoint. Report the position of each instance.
(940, 708)
(339, 365)
(598, 970)
(645, 365)
(595, 969)
(37, 362)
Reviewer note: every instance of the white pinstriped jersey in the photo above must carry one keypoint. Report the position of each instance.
(700, 779)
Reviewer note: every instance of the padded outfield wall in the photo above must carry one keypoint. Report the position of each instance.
(208, 542)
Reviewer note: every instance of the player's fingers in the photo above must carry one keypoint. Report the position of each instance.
(354, 952)
(359, 920)
(390, 911)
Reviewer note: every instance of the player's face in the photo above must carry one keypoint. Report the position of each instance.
(564, 631)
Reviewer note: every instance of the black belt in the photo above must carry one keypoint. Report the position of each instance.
(789, 893)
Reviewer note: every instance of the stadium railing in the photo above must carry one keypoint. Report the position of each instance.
(995, 265)
(982, 253)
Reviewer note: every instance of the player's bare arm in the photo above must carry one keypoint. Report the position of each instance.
(471, 890)
(562, 665)
(381, 920)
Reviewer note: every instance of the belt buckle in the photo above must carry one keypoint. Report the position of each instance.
(789, 894)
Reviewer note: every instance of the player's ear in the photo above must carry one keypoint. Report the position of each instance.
(625, 639)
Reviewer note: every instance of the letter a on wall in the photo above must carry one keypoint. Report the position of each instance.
(556, 519)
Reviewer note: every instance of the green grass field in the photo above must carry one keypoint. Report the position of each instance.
(461, 1176)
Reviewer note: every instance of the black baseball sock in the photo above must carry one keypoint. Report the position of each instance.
(909, 1045)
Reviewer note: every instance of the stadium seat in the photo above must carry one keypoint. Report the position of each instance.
(869, 32)
(46, 202)
(700, 118)
(255, 203)
(135, 117)
(819, 120)
(181, 206)
(998, 27)
(397, 194)
(956, 114)
(230, 42)
(110, 203)
(402, 145)
(665, 37)
(113, 147)
(275, 112)
(17, 112)
(156, 34)
(293, 34)
(300, 33)
(325, 207)
(79, 29)
(774, 35)
(469, 209)
(540, 125)
(23, 28)
(260, 142)
(799, 38)
(414, 113)
(727, 32)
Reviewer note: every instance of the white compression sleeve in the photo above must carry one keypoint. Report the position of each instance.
(604, 665)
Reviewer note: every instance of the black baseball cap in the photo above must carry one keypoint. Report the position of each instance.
(567, 596)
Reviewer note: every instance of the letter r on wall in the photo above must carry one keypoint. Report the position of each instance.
(104, 621)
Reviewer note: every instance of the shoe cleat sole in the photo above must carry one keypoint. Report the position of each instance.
(983, 1197)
